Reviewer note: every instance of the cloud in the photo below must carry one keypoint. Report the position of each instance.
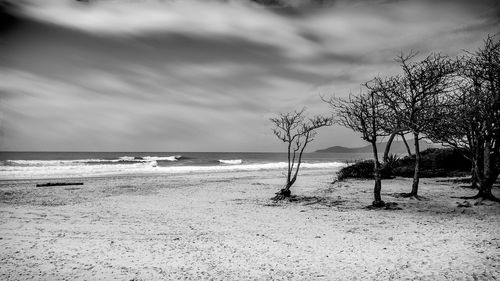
(115, 111)
(205, 75)
(346, 27)
(194, 18)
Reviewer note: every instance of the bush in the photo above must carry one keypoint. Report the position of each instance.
(435, 162)
(361, 170)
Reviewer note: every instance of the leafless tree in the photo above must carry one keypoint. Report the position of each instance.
(393, 124)
(297, 131)
(422, 86)
(363, 113)
(471, 121)
(483, 71)
(457, 127)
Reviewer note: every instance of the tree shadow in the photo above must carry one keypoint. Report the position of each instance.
(392, 206)
(408, 195)
(309, 200)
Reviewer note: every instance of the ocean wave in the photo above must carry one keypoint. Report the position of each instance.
(149, 167)
(44, 163)
(160, 158)
(150, 158)
(231, 162)
(128, 158)
(123, 159)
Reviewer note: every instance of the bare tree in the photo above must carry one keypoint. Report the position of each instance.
(471, 122)
(457, 127)
(297, 131)
(483, 70)
(363, 113)
(393, 123)
(421, 89)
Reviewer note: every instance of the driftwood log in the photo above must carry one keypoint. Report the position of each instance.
(58, 184)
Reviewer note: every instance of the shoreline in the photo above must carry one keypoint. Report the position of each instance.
(224, 226)
(333, 169)
(12, 173)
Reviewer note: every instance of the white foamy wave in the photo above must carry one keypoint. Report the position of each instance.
(71, 171)
(53, 162)
(150, 167)
(89, 161)
(231, 162)
(160, 158)
(126, 158)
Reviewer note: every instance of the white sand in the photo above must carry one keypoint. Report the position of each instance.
(222, 226)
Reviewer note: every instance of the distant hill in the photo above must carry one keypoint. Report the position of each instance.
(396, 147)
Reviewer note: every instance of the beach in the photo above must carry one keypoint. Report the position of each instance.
(236, 140)
(223, 226)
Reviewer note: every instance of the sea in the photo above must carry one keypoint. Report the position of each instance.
(52, 165)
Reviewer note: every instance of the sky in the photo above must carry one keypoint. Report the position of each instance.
(187, 75)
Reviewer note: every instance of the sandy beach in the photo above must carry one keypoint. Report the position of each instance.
(223, 226)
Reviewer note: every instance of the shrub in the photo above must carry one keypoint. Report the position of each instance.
(361, 169)
(436, 162)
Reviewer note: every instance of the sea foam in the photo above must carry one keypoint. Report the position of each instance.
(148, 167)
(159, 158)
(231, 162)
(78, 162)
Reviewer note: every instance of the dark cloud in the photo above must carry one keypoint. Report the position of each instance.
(490, 20)
(8, 19)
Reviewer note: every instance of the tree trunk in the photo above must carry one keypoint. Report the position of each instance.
(486, 169)
(378, 179)
(292, 181)
(388, 147)
(284, 192)
(406, 144)
(306, 141)
(489, 174)
(289, 171)
(485, 189)
(416, 175)
(473, 173)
